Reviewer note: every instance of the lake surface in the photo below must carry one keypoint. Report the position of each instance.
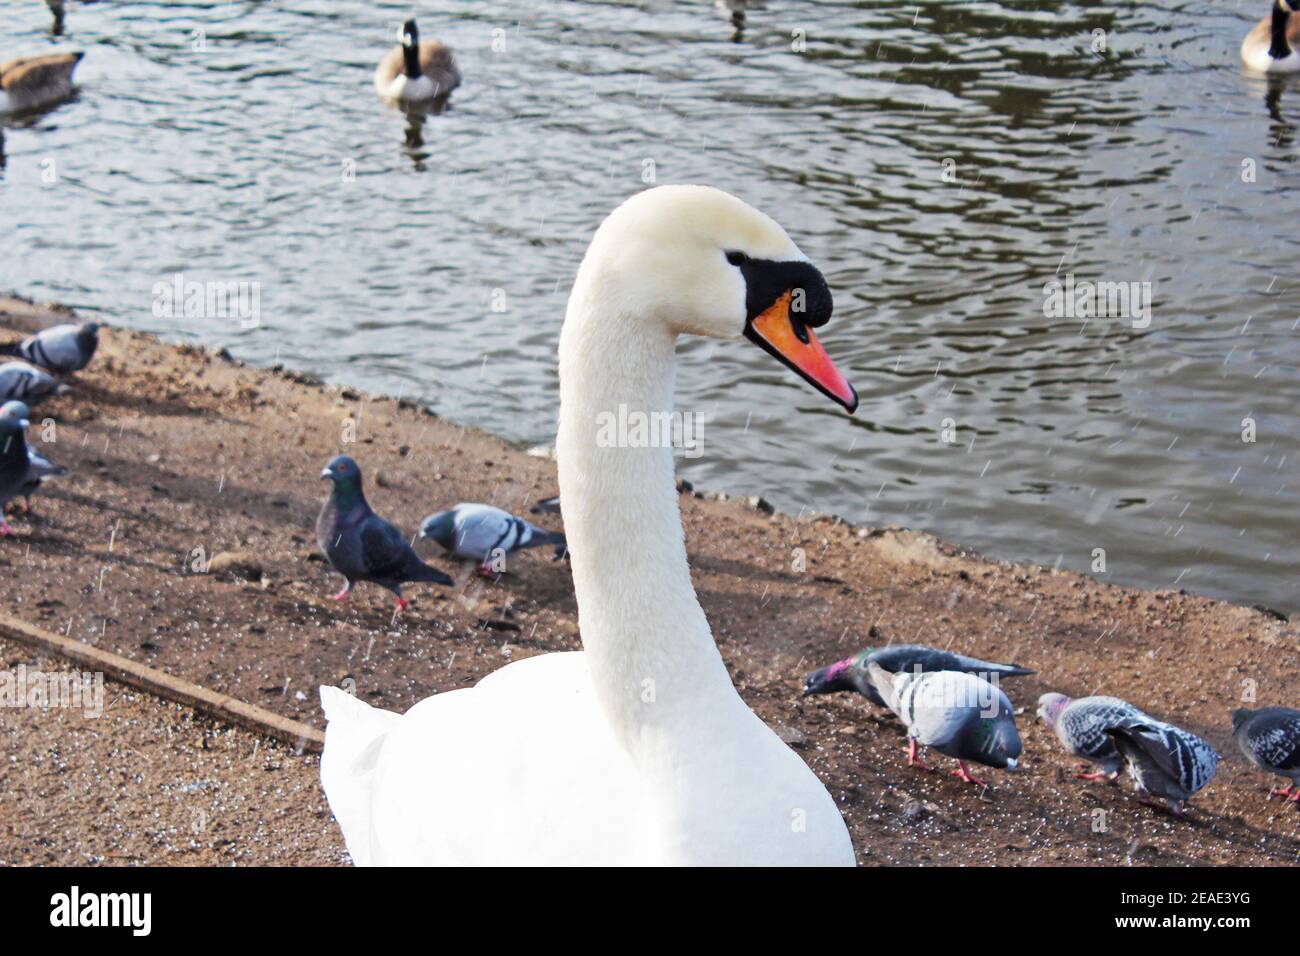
(942, 162)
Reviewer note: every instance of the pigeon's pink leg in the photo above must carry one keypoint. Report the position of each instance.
(485, 571)
(1099, 775)
(1279, 792)
(342, 595)
(6, 529)
(963, 774)
(402, 604)
(1295, 796)
(913, 759)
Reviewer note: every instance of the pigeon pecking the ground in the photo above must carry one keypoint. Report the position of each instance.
(362, 546)
(61, 349)
(1270, 739)
(851, 674)
(1164, 761)
(958, 714)
(15, 466)
(22, 382)
(1082, 724)
(485, 534)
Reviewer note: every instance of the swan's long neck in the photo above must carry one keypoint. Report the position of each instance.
(653, 661)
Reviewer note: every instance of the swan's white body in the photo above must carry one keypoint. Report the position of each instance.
(637, 750)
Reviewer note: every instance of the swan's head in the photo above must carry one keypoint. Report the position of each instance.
(704, 263)
(13, 417)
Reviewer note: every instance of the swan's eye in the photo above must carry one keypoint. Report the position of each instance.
(737, 258)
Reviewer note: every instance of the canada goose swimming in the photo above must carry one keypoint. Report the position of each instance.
(637, 749)
(32, 81)
(1272, 46)
(415, 71)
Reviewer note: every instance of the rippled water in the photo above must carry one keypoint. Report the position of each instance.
(1118, 165)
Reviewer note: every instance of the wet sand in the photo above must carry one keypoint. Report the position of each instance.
(179, 453)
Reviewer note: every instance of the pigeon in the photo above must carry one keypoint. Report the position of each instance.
(485, 534)
(15, 466)
(362, 546)
(547, 506)
(61, 349)
(41, 470)
(22, 382)
(1164, 760)
(1270, 739)
(958, 714)
(851, 674)
(1081, 725)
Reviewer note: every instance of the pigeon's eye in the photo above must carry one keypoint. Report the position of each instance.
(737, 258)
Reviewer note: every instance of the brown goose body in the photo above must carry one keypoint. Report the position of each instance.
(1273, 46)
(32, 81)
(428, 74)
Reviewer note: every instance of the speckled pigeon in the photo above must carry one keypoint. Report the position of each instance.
(359, 544)
(957, 714)
(61, 349)
(482, 533)
(1163, 760)
(15, 466)
(851, 674)
(22, 382)
(1081, 725)
(1270, 739)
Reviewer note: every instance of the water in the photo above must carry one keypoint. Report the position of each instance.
(1125, 165)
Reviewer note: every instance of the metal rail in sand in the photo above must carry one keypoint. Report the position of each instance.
(161, 684)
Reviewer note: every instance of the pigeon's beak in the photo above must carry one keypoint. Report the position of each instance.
(1012, 763)
(326, 473)
(24, 423)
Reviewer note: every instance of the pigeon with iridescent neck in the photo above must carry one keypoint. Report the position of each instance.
(851, 674)
(15, 465)
(1270, 739)
(958, 714)
(1082, 726)
(362, 546)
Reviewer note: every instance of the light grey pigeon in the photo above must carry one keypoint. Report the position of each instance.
(359, 544)
(1163, 760)
(485, 534)
(957, 714)
(61, 349)
(851, 674)
(547, 506)
(22, 382)
(15, 466)
(1270, 739)
(1082, 724)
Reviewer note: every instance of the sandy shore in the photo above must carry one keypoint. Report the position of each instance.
(176, 449)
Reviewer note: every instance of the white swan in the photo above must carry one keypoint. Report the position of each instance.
(637, 750)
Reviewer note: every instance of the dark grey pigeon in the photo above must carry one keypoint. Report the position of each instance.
(851, 674)
(362, 546)
(482, 533)
(958, 714)
(1082, 726)
(1164, 761)
(1270, 739)
(15, 466)
(61, 349)
(22, 382)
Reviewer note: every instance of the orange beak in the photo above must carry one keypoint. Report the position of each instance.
(795, 344)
